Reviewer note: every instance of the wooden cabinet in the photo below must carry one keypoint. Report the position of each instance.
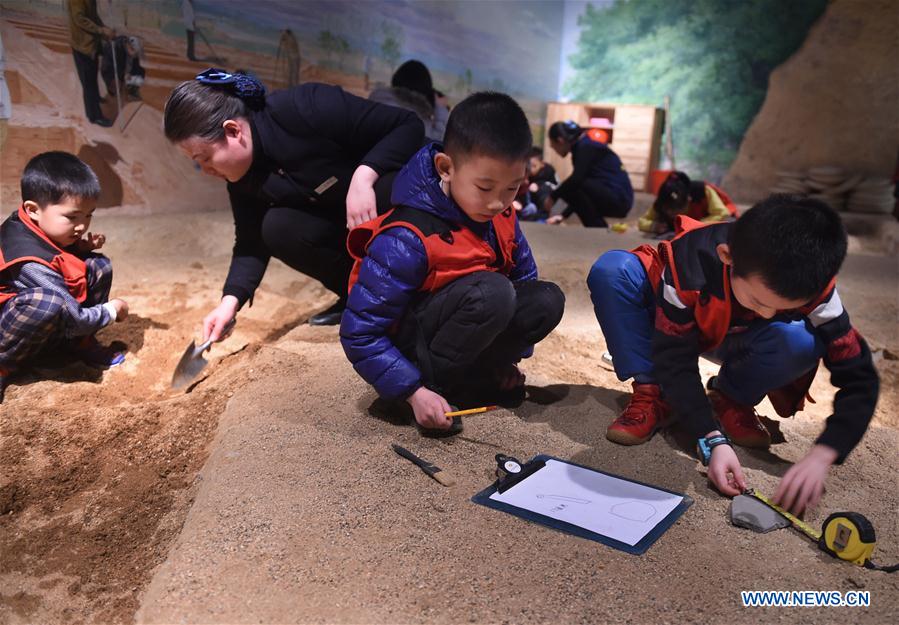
(635, 134)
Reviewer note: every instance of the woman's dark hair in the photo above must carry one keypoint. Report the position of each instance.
(52, 176)
(795, 244)
(414, 76)
(199, 107)
(569, 131)
(488, 124)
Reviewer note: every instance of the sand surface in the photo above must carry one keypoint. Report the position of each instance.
(269, 492)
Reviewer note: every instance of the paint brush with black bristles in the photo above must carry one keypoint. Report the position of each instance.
(435, 472)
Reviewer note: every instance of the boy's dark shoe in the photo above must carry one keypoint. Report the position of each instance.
(645, 414)
(480, 389)
(330, 316)
(102, 121)
(452, 430)
(740, 422)
(89, 351)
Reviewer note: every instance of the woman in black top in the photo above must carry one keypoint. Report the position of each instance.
(598, 187)
(302, 166)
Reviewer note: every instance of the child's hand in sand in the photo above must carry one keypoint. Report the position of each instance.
(509, 377)
(91, 242)
(803, 484)
(555, 220)
(725, 471)
(430, 409)
(121, 308)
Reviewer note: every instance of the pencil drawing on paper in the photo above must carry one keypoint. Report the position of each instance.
(638, 511)
(564, 498)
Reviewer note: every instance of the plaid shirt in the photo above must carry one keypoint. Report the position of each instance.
(79, 320)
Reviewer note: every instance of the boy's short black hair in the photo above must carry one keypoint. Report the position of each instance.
(52, 176)
(488, 124)
(536, 152)
(793, 243)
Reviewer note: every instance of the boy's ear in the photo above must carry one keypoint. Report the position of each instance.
(444, 164)
(723, 250)
(31, 208)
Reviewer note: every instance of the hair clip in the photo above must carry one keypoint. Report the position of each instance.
(216, 76)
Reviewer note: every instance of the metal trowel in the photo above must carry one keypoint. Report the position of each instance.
(192, 362)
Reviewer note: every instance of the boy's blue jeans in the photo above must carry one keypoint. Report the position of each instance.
(770, 354)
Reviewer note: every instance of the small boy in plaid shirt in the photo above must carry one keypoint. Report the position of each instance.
(53, 289)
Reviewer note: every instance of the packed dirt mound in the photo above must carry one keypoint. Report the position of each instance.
(97, 470)
(834, 103)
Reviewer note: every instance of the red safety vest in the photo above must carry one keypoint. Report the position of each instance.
(21, 241)
(699, 209)
(453, 250)
(712, 313)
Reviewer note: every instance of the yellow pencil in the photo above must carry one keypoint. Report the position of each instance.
(461, 413)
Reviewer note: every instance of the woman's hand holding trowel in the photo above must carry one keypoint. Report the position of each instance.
(192, 362)
(218, 324)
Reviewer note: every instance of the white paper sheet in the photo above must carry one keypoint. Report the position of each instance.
(607, 505)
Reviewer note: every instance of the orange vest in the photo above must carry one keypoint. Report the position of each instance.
(21, 241)
(452, 249)
(699, 209)
(712, 313)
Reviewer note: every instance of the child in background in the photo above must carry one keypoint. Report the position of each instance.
(598, 186)
(759, 295)
(542, 180)
(524, 204)
(696, 199)
(444, 298)
(53, 288)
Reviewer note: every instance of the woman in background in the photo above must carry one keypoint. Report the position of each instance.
(598, 187)
(411, 88)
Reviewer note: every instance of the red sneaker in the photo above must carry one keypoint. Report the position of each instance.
(4, 376)
(645, 413)
(740, 422)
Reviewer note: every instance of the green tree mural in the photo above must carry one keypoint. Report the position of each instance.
(332, 43)
(392, 44)
(713, 57)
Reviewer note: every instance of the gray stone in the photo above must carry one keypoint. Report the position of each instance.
(747, 511)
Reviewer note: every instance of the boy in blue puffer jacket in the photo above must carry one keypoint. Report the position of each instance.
(443, 297)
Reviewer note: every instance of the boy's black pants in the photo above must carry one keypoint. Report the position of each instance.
(459, 335)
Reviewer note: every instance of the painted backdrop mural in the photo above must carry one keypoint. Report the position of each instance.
(712, 57)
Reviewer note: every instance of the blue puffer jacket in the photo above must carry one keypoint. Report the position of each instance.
(392, 272)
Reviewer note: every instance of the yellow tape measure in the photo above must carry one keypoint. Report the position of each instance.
(845, 535)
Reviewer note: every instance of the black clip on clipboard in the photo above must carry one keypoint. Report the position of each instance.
(511, 471)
